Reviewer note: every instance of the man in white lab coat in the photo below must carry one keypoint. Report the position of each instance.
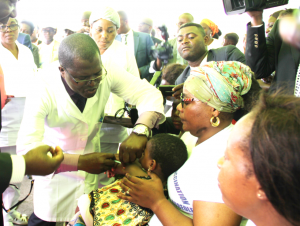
(66, 110)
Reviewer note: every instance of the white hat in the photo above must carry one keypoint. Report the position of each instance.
(106, 13)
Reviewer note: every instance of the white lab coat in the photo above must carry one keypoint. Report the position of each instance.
(18, 76)
(51, 117)
(120, 55)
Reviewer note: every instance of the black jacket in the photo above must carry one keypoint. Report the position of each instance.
(266, 55)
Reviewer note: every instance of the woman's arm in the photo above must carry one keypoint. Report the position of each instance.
(149, 193)
(211, 213)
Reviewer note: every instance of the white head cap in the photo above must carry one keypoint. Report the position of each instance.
(106, 13)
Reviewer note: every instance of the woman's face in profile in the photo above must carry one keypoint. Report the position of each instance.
(194, 114)
(237, 180)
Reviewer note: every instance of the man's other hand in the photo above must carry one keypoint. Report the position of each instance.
(96, 163)
(256, 18)
(40, 162)
(132, 148)
(178, 90)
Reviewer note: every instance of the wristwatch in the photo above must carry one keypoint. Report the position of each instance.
(141, 130)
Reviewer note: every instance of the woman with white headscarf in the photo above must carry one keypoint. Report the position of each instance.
(104, 22)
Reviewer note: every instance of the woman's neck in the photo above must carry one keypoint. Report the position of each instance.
(12, 47)
(270, 219)
(207, 133)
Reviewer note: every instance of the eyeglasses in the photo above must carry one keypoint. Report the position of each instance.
(182, 100)
(88, 81)
(12, 27)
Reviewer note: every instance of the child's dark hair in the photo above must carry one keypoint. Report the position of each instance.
(169, 152)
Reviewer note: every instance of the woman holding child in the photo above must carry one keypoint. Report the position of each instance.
(210, 97)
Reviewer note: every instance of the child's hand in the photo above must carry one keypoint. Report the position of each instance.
(116, 169)
(110, 173)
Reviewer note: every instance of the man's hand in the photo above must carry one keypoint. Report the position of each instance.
(96, 163)
(146, 193)
(132, 148)
(177, 91)
(256, 18)
(289, 29)
(39, 162)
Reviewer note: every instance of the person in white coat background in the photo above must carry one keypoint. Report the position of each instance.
(67, 110)
(104, 22)
(18, 68)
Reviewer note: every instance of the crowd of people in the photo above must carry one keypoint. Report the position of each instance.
(222, 149)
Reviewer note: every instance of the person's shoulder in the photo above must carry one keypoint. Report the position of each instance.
(228, 51)
(225, 48)
(141, 34)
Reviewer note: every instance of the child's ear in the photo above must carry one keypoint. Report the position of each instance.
(153, 165)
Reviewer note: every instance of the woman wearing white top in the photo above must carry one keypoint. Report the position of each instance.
(211, 94)
(18, 68)
(104, 23)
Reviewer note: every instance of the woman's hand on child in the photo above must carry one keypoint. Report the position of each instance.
(146, 193)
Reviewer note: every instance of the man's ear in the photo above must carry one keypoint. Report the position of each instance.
(62, 72)
(206, 40)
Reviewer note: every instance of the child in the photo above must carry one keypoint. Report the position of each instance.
(164, 154)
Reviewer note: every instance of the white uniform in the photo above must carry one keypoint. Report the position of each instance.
(52, 118)
(18, 75)
(117, 54)
(111, 134)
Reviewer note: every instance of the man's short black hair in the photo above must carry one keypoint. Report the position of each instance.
(75, 46)
(169, 152)
(200, 28)
(233, 37)
(30, 24)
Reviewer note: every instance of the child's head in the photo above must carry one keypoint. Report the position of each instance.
(165, 152)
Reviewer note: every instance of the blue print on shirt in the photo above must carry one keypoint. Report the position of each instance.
(180, 193)
(184, 208)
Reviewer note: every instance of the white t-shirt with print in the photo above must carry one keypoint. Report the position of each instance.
(197, 179)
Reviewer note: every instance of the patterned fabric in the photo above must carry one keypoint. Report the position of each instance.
(107, 209)
(213, 27)
(220, 84)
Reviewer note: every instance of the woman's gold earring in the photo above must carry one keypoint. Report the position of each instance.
(216, 123)
(149, 169)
